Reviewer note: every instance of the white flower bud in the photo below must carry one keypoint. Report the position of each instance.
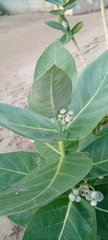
(72, 197)
(32, 140)
(101, 177)
(94, 194)
(71, 112)
(59, 116)
(63, 110)
(78, 199)
(93, 203)
(68, 119)
(76, 191)
(63, 122)
(99, 197)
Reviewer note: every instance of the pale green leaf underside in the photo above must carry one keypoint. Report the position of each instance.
(56, 54)
(90, 101)
(98, 152)
(22, 219)
(14, 166)
(47, 149)
(43, 184)
(63, 220)
(50, 92)
(52, 150)
(28, 124)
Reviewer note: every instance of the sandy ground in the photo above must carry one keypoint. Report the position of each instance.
(23, 38)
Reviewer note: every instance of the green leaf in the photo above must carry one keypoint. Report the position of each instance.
(89, 102)
(63, 21)
(69, 5)
(23, 219)
(50, 92)
(47, 149)
(45, 183)
(98, 152)
(28, 124)
(77, 28)
(57, 12)
(16, 165)
(56, 2)
(55, 25)
(62, 219)
(84, 142)
(71, 147)
(57, 55)
(67, 37)
(104, 130)
(102, 224)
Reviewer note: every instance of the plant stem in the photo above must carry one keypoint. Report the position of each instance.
(104, 21)
(77, 47)
(62, 147)
(79, 52)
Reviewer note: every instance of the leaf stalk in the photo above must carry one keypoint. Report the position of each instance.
(62, 147)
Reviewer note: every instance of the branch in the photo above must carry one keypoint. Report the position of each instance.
(79, 52)
(104, 21)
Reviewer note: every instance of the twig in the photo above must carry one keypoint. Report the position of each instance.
(104, 21)
(77, 47)
(79, 52)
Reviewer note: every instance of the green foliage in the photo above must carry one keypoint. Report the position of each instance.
(63, 23)
(2, 10)
(37, 188)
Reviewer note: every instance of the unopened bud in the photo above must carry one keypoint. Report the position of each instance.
(63, 110)
(78, 199)
(71, 112)
(72, 197)
(68, 119)
(93, 203)
(76, 191)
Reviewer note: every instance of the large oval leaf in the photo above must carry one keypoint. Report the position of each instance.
(98, 151)
(45, 183)
(50, 92)
(62, 220)
(23, 219)
(16, 165)
(56, 54)
(90, 100)
(30, 125)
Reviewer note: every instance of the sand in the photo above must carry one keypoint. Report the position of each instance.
(23, 38)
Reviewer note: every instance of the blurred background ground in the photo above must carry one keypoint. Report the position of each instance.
(23, 38)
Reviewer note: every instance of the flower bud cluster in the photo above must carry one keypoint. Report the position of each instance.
(65, 116)
(74, 196)
(91, 195)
